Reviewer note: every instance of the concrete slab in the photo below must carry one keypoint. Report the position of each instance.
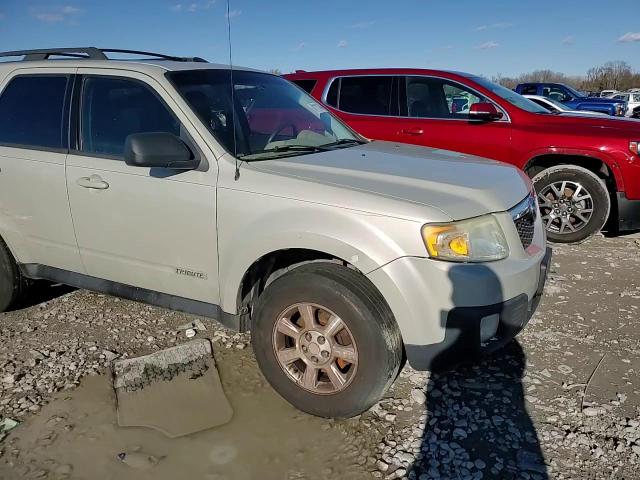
(176, 391)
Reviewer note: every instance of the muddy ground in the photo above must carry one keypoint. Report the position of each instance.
(561, 402)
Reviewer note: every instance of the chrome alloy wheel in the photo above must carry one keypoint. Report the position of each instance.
(315, 348)
(566, 206)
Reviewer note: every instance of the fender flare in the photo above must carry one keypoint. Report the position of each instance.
(575, 152)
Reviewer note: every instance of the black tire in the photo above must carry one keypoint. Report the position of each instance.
(361, 307)
(12, 283)
(600, 201)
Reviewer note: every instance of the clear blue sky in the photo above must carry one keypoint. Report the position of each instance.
(485, 37)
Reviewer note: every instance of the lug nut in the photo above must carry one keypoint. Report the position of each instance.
(321, 340)
(304, 348)
(314, 359)
(308, 336)
(325, 354)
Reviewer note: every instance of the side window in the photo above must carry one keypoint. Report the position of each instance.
(307, 84)
(529, 90)
(114, 108)
(438, 98)
(636, 97)
(32, 112)
(556, 93)
(370, 95)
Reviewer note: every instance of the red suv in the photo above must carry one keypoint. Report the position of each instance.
(585, 169)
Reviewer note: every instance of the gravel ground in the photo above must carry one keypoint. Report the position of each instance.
(561, 402)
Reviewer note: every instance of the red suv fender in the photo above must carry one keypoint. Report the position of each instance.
(603, 157)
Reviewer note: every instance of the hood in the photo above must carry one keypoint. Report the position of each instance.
(461, 186)
(593, 124)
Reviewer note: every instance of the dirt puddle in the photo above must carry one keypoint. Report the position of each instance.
(76, 436)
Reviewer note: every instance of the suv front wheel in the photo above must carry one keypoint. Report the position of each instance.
(326, 340)
(574, 202)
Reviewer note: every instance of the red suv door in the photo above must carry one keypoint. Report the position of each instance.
(434, 112)
(367, 103)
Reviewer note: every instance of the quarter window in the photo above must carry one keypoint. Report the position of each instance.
(438, 98)
(32, 112)
(370, 95)
(114, 108)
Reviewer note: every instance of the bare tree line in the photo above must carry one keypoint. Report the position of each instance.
(616, 75)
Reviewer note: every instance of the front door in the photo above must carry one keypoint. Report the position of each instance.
(148, 228)
(434, 112)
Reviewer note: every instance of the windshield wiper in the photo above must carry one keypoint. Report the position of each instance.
(344, 141)
(265, 154)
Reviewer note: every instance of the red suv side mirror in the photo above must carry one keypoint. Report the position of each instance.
(484, 111)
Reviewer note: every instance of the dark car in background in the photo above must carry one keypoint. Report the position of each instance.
(573, 98)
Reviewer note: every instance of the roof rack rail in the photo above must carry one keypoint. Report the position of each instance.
(90, 53)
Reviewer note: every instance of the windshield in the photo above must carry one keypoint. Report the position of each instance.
(510, 96)
(575, 92)
(270, 117)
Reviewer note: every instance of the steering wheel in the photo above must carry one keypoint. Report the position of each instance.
(281, 128)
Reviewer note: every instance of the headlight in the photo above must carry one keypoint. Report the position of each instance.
(476, 240)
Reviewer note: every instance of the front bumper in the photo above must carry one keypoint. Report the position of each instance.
(463, 340)
(448, 303)
(628, 213)
(464, 333)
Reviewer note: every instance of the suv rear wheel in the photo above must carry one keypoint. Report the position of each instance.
(12, 284)
(326, 340)
(574, 202)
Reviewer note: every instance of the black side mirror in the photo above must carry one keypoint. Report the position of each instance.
(158, 150)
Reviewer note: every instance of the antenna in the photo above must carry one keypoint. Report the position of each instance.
(233, 88)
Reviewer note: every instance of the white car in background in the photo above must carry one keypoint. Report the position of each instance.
(556, 107)
(632, 99)
(608, 93)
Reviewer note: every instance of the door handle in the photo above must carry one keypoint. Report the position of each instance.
(94, 181)
(412, 131)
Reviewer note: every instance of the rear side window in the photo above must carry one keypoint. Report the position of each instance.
(32, 112)
(114, 108)
(529, 90)
(306, 85)
(370, 95)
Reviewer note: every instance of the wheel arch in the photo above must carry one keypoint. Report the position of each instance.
(605, 169)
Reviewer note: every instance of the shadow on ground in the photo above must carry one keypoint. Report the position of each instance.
(478, 425)
(41, 291)
(477, 422)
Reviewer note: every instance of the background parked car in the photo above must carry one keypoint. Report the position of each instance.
(556, 107)
(573, 98)
(583, 167)
(632, 99)
(607, 93)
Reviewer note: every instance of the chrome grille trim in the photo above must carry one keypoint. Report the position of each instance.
(524, 216)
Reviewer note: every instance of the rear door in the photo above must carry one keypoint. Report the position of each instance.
(34, 209)
(367, 103)
(149, 228)
(434, 112)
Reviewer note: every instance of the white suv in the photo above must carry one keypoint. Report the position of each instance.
(157, 181)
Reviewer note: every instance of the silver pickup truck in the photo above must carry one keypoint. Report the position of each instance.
(231, 193)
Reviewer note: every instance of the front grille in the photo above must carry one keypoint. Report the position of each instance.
(526, 228)
(524, 217)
